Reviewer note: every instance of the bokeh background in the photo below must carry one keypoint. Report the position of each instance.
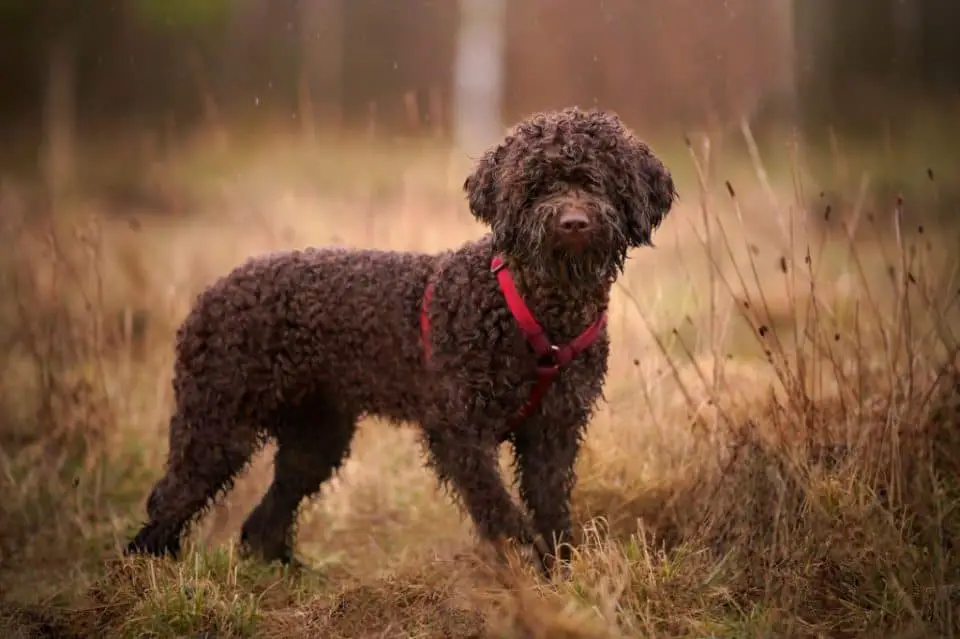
(801, 296)
(78, 73)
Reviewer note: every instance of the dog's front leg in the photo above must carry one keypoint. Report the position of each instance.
(546, 454)
(469, 463)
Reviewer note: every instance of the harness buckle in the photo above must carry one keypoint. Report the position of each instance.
(548, 363)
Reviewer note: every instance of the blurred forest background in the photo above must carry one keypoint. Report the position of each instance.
(147, 74)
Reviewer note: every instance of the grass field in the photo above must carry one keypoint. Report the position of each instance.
(778, 455)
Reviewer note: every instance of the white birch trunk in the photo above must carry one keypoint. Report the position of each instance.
(479, 75)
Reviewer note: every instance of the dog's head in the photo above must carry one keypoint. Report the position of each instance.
(571, 190)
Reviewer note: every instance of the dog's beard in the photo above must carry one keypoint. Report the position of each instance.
(542, 256)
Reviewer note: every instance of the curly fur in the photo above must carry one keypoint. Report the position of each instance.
(298, 346)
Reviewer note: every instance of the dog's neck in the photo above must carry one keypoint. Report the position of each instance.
(563, 306)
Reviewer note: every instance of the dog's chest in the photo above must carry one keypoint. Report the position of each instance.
(521, 383)
(574, 390)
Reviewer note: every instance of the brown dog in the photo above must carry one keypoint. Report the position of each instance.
(500, 340)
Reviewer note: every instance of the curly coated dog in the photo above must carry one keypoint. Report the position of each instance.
(298, 346)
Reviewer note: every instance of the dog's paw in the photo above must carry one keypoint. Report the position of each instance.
(550, 567)
(154, 540)
(561, 571)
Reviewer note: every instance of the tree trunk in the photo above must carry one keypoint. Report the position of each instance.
(320, 87)
(862, 64)
(479, 75)
(938, 56)
(847, 54)
(59, 115)
(208, 101)
(875, 82)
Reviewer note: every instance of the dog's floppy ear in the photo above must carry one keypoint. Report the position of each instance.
(481, 186)
(651, 193)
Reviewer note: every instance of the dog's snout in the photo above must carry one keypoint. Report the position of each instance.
(574, 221)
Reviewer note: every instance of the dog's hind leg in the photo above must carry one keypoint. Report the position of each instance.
(312, 442)
(205, 455)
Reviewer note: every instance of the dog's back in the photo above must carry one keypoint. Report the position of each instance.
(337, 321)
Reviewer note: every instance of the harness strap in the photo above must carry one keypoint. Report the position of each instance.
(425, 321)
(550, 357)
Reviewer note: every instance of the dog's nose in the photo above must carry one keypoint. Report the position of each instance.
(574, 221)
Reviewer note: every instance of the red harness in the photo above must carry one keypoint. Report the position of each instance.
(550, 357)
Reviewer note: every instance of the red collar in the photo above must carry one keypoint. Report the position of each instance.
(550, 357)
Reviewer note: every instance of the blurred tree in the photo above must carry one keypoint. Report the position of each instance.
(398, 58)
(70, 36)
(50, 31)
(320, 81)
(939, 48)
(479, 73)
(881, 78)
(194, 22)
(862, 64)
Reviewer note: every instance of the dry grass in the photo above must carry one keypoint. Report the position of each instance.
(778, 455)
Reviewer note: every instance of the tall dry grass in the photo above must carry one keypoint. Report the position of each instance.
(778, 454)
